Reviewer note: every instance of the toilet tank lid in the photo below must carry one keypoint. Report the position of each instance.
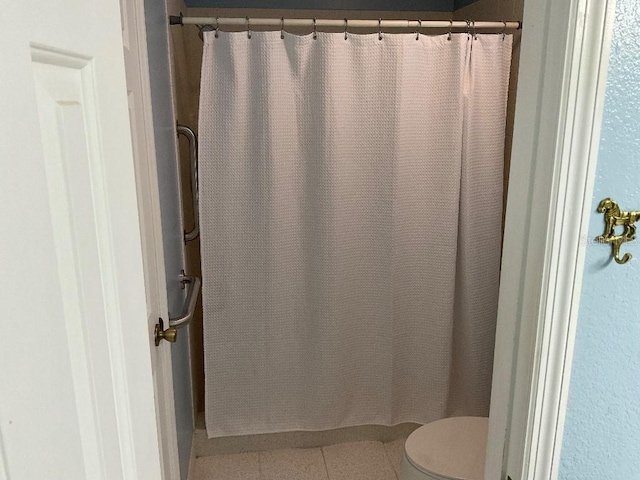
(452, 448)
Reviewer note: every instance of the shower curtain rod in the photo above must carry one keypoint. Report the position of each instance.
(281, 23)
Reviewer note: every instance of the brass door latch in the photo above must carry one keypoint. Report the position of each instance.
(613, 217)
(170, 334)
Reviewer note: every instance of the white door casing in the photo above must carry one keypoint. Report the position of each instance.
(77, 386)
(558, 114)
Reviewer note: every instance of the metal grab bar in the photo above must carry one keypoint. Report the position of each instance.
(193, 159)
(192, 298)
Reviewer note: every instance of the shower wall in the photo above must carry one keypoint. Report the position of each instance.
(185, 52)
(186, 55)
(186, 115)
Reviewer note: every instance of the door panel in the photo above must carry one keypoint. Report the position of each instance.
(63, 83)
(76, 379)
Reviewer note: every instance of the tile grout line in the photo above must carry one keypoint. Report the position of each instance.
(324, 460)
(260, 476)
(390, 460)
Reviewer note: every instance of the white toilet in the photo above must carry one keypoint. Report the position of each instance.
(449, 449)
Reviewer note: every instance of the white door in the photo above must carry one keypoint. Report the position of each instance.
(76, 383)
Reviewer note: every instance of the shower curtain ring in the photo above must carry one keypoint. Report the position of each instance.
(248, 29)
(418, 29)
(475, 32)
(345, 28)
(504, 30)
(315, 29)
(217, 28)
(282, 28)
(379, 29)
(468, 28)
(450, 28)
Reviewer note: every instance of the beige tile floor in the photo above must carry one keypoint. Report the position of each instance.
(367, 460)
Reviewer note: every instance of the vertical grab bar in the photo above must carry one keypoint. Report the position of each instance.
(193, 159)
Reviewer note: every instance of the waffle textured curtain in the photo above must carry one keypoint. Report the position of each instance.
(351, 208)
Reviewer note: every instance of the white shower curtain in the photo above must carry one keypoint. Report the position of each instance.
(351, 199)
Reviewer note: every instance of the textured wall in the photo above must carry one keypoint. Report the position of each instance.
(602, 428)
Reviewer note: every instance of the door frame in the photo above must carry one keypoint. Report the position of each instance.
(134, 27)
(559, 110)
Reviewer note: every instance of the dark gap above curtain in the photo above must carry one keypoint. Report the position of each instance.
(382, 5)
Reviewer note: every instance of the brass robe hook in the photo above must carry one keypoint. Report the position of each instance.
(613, 217)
